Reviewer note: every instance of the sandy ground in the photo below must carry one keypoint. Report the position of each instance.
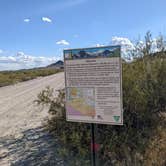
(20, 118)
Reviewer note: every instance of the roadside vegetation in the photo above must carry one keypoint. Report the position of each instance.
(141, 140)
(13, 77)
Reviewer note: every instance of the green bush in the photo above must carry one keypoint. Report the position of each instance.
(144, 98)
(74, 137)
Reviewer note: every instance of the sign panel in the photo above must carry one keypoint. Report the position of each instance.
(93, 84)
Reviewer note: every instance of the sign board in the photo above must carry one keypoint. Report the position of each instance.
(93, 84)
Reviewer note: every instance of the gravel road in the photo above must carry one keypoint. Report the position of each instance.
(21, 119)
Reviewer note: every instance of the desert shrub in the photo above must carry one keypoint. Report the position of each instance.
(12, 77)
(5, 80)
(74, 137)
(156, 150)
(143, 106)
(133, 144)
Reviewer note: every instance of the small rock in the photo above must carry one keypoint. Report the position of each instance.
(3, 153)
(18, 135)
(33, 137)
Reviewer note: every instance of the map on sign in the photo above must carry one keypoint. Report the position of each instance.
(81, 101)
(93, 85)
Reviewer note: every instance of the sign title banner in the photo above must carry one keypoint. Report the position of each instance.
(93, 84)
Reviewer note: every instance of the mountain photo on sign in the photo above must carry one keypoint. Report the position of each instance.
(92, 53)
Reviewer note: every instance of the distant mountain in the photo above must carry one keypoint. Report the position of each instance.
(106, 53)
(58, 64)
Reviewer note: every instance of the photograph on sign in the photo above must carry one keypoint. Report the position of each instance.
(93, 83)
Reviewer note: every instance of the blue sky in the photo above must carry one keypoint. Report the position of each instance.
(41, 29)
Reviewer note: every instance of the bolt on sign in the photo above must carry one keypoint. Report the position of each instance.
(93, 83)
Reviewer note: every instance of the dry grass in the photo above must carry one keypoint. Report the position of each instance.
(156, 152)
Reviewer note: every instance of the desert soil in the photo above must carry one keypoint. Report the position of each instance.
(23, 140)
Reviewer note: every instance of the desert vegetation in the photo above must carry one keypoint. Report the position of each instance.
(141, 140)
(12, 77)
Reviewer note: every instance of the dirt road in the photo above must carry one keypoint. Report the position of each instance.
(18, 113)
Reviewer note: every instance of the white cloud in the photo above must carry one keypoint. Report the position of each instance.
(7, 59)
(124, 42)
(41, 60)
(27, 20)
(62, 42)
(99, 45)
(23, 58)
(154, 45)
(24, 61)
(126, 45)
(1, 51)
(46, 19)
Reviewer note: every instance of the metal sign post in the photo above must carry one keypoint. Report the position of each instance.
(93, 145)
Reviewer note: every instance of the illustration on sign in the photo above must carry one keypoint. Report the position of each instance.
(93, 85)
(97, 52)
(81, 101)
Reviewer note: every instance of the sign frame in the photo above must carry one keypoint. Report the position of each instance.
(121, 92)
